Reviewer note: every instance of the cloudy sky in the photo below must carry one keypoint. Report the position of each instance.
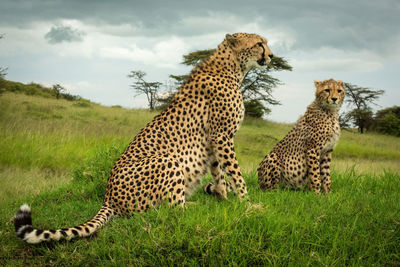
(90, 46)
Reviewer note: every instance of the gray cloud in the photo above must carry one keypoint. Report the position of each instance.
(59, 34)
(343, 24)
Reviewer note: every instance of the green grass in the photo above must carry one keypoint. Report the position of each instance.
(357, 224)
(46, 133)
(56, 156)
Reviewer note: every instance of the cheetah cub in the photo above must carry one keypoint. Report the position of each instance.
(306, 151)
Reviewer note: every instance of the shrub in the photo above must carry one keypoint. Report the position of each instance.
(70, 97)
(388, 120)
(254, 108)
(82, 103)
(389, 124)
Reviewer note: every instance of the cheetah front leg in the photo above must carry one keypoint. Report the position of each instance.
(218, 186)
(313, 165)
(325, 171)
(224, 153)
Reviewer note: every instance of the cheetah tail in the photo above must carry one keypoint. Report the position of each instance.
(25, 230)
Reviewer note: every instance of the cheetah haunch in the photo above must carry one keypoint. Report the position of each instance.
(306, 151)
(168, 158)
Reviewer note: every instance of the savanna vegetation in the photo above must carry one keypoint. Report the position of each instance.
(56, 155)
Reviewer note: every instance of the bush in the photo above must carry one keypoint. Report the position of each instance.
(395, 110)
(70, 97)
(82, 103)
(254, 108)
(389, 124)
(388, 120)
(2, 85)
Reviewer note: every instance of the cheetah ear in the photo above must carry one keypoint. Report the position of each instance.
(340, 82)
(232, 41)
(317, 83)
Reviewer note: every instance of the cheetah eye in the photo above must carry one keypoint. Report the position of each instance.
(260, 43)
(327, 90)
(339, 91)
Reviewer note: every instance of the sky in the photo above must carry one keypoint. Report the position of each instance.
(90, 46)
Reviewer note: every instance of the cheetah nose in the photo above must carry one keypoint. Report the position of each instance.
(271, 56)
(334, 99)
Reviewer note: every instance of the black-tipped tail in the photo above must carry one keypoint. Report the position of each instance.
(25, 230)
(23, 221)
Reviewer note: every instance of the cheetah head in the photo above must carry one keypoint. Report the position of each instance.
(251, 50)
(330, 93)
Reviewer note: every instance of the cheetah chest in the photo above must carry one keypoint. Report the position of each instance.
(333, 140)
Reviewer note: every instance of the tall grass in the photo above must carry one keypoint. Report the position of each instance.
(49, 134)
(368, 146)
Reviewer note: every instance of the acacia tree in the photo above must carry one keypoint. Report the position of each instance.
(360, 100)
(58, 90)
(256, 87)
(149, 89)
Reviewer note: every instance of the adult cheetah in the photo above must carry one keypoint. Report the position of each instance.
(168, 158)
(306, 151)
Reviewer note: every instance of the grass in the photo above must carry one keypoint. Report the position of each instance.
(45, 133)
(56, 156)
